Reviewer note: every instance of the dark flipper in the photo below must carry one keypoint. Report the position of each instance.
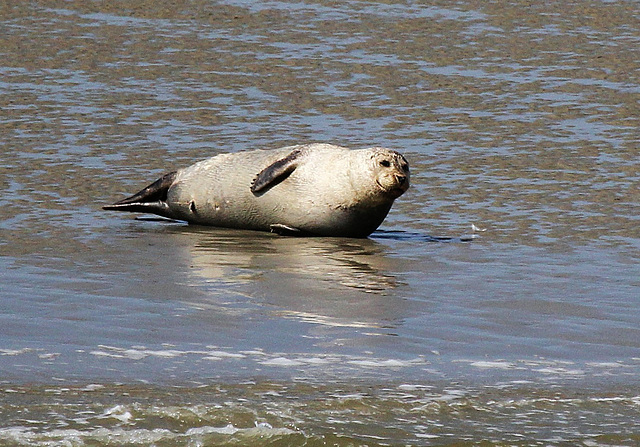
(151, 199)
(276, 172)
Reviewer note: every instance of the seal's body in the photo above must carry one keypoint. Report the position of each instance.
(315, 189)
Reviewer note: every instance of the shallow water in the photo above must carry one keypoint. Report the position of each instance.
(519, 119)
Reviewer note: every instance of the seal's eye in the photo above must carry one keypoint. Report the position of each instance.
(385, 163)
(405, 167)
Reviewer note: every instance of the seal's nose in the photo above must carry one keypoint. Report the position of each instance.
(401, 179)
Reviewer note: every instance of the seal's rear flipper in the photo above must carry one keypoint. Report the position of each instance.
(151, 199)
(276, 172)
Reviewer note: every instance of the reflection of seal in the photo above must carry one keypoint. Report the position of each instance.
(315, 189)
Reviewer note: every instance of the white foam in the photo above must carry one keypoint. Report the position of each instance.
(413, 387)
(386, 363)
(258, 356)
(426, 436)
(199, 431)
(73, 437)
(561, 371)
(223, 354)
(141, 352)
(261, 429)
(254, 352)
(119, 353)
(493, 365)
(92, 387)
(119, 412)
(15, 351)
(282, 361)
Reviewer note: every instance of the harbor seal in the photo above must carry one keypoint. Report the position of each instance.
(305, 190)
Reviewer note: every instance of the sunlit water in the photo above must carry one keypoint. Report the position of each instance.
(498, 303)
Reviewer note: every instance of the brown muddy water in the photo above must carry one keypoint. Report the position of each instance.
(519, 118)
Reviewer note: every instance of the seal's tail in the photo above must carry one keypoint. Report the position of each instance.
(151, 199)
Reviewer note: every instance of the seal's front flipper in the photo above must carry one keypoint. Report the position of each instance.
(276, 172)
(151, 199)
(286, 230)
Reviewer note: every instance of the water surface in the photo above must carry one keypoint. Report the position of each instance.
(521, 120)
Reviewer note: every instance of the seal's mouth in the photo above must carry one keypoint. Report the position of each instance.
(398, 188)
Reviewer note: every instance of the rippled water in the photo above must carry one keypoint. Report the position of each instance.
(521, 119)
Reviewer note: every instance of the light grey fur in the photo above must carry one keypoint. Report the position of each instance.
(316, 189)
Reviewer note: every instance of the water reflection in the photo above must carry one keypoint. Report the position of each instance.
(332, 281)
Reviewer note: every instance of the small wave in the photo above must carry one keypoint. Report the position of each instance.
(306, 413)
(402, 235)
(205, 435)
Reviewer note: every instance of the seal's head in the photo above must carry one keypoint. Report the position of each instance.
(378, 175)
(391, 171)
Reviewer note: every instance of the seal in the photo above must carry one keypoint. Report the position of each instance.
(304, 190)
